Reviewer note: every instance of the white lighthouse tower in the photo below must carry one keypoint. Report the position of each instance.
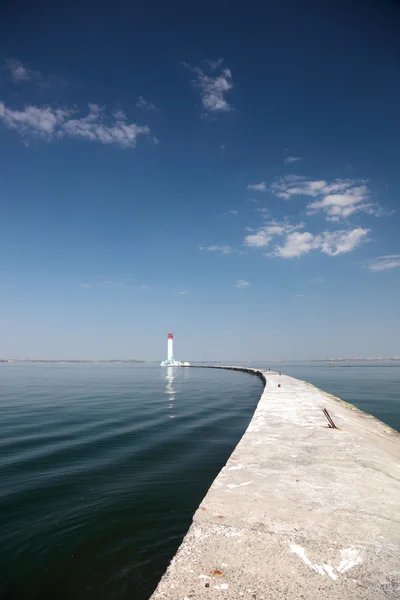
(171, 362)
(170, 354)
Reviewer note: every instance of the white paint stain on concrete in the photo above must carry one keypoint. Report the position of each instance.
(230, 532)
(202, 576)
(302, 554)
(223, 586)
(350, 558)
(231, 486)
(330, 571)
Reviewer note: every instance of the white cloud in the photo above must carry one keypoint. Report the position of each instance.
(383, 263)
(258, 187)
(343, 241)
(144, 104)
(182, 293)
(43, 121)
(332, 243)
(264, 235)
(242, 283)
(86, 286)
(213, 87)
(222, 249)
(338, 199)
(49, 123)
(263, 210)
(297, 185)
(92, 127)
(291, 159)
(232, 212)
(342, 205)
(296, 243)
(19, 73)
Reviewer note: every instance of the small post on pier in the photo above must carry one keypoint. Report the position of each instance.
(330, 420)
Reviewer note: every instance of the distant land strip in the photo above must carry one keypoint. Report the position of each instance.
(204, 362)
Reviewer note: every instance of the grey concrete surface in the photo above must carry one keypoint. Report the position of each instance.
(300, 510)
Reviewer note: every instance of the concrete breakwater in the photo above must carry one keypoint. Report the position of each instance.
(300, 510)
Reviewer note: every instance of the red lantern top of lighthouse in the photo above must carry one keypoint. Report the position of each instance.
(170, 336)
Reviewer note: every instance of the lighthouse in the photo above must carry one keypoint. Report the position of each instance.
(171, 362)
(170, 354)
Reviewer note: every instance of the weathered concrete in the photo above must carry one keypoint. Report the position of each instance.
(300, 511)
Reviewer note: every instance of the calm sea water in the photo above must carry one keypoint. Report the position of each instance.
(102, 466)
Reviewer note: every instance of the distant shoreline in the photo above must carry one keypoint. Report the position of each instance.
(210, 362)
(60, 361)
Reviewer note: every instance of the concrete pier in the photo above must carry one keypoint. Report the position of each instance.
(300, 510)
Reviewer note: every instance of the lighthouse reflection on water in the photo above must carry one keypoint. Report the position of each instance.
(170, 390)
(171, 373)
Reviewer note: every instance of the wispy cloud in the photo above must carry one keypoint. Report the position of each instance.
(51, 123)
(215, 248)
(43, 122)
(263, 210)
(242, 283)
(297, 185)
(342, 241)
(304, 296)
(297, 242)
(264, 235)
(213, 87)
(215, 64)
(343, 204)
(181, 293)
(258, 187)
(144, 104)
(17, 71)
(232, 212)
(85, 286)
(383, 263)
(292, 159)
(331, 243)
(338, 199)
(93, 128)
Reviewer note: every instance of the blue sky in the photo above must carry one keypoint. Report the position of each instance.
(226, 172)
